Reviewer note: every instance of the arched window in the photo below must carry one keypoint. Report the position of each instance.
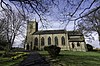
(72, 45)
(49, 41)
(27, 46)
(36, 41)
(78, 44)
(63, 40)
(56, 41)
(31, 46)
(42, 41)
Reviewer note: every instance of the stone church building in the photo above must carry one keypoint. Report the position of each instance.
(66, 40)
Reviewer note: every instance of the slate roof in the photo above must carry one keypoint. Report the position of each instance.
(70, 33)
(49, 32)
(76, 33)
(76, 40)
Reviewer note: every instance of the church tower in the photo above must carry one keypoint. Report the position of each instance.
(32, 26)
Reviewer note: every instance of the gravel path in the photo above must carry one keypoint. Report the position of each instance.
(34, 59)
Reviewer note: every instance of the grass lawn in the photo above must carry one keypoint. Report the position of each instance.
(2, 51)
(8, 61)
(11, 63)
(70, 58)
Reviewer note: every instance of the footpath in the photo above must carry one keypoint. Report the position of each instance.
(34, 59)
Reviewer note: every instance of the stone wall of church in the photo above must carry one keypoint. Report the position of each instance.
(52, 36)
(32, 27)
(74, 46)
(67, 46)
(28, 45)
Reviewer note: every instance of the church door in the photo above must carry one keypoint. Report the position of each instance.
(27, 47)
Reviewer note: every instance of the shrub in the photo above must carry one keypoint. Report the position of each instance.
(89, 47)
(3, 44)
(17, 49)
(53, 50)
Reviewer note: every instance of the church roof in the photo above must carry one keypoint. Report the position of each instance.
(75, 36)
(76, 40)
(70, 33)
(49, 32)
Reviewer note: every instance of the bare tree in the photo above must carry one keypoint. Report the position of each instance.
(25, 7)
(90, 23)
(71, 10)
(12, 23)
(65, 10)
(74, 10)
